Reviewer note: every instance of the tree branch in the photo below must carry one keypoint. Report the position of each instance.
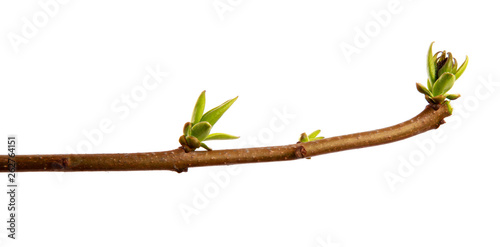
(178, 160)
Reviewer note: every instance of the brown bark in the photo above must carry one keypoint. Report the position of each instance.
(178, 160)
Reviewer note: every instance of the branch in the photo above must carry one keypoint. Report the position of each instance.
(178, 160)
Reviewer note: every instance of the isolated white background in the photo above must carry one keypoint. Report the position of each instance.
(280, 57)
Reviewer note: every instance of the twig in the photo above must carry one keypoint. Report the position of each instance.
(178, 160)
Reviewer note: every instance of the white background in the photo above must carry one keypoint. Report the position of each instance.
(70, 71)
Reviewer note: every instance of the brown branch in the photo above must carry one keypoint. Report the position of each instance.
(178, 160)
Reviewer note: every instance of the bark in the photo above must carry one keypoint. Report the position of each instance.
(178, 160)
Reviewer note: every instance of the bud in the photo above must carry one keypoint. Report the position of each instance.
(193, 142)
(443, 71)
(199, 128)
(182, 140)
(303, 138)
(438, 99)
(443, 62)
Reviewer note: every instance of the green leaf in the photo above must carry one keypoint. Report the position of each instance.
(312, 137)
(462, 68)
(455, 66)
(431, 65)
(317, 138)
(199, 107)
(187, 129)
(452, 96)
(213, 115)
(443, 84)
(203, 145)
(423, 90)
(429, 85)
(220, 136)
(201, 130)
(314, 134)
(447, 67)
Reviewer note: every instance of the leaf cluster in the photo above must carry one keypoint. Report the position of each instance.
(198, 129)
(443, 71)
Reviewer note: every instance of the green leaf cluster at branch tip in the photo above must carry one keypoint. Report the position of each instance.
(312, 137)
(443, 71)
(198, 130)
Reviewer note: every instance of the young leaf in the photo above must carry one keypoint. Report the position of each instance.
(201, 130)
(440, 59)
(447, 67)
(187, 129)
(443, 84)
(423, 90)
(431, 65)
(314, 134)
(213, 115)
(452, 96)
(455, 66)
(220, 136)
(203, 145)
(461, 70)
(199, 107)
(317, 138)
